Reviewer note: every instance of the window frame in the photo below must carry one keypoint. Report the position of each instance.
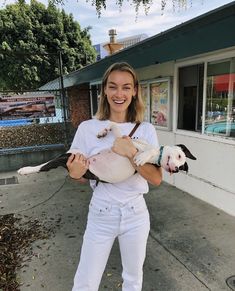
(148, 83)
(91, 99)
(205, 59)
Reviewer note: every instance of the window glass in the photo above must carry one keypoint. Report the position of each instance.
(144, 95)
(159, 95)
(190, 97)
(220, 98)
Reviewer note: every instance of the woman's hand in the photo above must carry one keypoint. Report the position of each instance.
(124, 147)
(77, 166)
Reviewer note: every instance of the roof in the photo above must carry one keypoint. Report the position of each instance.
(208, 32)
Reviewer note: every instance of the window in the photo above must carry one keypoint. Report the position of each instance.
(94, 95)
(156, 97)
(160, 96)
(190, 97)
(218, 97)
(145, 97)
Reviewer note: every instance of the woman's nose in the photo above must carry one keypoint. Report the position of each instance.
(119, 92)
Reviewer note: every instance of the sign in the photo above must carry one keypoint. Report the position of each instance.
(27, 106)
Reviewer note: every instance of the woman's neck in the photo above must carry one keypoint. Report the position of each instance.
(118, 118)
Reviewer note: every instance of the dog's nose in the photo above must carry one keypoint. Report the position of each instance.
(176, 170)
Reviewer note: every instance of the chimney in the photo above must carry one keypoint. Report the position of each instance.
(113, 46)
(112, 34)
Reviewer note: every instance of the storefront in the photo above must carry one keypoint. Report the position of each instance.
(187, 79)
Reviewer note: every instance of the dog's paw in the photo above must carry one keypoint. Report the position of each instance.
(26, 171)
(103, 133)
(141, 158)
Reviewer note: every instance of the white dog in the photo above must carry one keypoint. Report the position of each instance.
(118, 168)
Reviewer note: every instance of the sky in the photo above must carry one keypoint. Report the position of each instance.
(127, 23)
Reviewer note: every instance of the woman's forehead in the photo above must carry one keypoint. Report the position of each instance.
(120, 77)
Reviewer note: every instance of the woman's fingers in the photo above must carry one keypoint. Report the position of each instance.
(70, 159)
(77, 165)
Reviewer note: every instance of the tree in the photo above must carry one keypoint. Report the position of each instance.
(101, 4)
(31, 35)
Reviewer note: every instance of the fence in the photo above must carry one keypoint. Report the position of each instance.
(32, 119)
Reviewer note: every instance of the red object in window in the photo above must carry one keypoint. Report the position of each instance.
(221, 82)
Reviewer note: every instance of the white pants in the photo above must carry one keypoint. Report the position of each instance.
(106, 221)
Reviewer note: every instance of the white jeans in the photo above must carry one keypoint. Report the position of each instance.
(106, 221)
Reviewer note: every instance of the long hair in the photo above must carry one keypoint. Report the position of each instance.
(135, 112)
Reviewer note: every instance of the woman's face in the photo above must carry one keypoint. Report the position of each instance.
(120, 90)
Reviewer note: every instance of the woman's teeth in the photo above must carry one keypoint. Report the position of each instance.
(119, 101)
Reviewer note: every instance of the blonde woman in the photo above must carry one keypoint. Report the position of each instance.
(116, 210)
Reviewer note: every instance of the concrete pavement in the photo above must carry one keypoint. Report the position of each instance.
(191, 244)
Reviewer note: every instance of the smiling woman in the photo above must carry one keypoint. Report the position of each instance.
(116, 209)
(120, 93)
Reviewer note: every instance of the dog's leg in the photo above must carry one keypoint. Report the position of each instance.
(55, 163)
(148, 156)
(112, 127)
(30, 170)
(146, 153)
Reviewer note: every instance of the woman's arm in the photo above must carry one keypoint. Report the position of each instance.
(149, 172)
(124, 146)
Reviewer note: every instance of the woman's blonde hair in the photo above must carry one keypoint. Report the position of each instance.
(135, 111)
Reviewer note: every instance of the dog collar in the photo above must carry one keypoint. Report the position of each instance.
(158, 163)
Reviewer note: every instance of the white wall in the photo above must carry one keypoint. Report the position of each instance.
(211, 177)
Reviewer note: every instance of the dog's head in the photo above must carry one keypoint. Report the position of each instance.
(174, 158)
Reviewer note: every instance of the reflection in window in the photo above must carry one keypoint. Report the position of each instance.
(144, 95)
(159, 94)
(220, 99)
(190, 97)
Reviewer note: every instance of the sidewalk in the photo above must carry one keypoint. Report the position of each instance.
(191, 244)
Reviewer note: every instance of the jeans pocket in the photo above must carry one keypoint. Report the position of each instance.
(139, 207)
(99, 209)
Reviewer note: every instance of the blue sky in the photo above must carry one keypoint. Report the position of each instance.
(124, 20)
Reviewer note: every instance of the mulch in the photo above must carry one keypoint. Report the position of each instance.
(16, 238)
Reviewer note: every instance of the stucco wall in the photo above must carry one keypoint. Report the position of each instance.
(211, 176)
(156, 71)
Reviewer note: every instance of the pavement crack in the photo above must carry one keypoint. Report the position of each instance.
(178, 260)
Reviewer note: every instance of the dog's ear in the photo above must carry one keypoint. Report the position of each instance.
(184, 167)
(186, 151)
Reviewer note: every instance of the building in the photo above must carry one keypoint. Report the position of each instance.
(126, 42)
(187, 76)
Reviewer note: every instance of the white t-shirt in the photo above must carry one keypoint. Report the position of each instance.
(87, 143)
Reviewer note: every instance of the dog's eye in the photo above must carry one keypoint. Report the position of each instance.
(179, 156)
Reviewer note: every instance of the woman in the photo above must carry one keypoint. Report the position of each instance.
(118, 209)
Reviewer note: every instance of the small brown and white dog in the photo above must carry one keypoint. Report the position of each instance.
(110, 167)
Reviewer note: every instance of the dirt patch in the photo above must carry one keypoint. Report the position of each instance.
(16, 238)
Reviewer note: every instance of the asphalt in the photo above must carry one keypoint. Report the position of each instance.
(191, 244)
